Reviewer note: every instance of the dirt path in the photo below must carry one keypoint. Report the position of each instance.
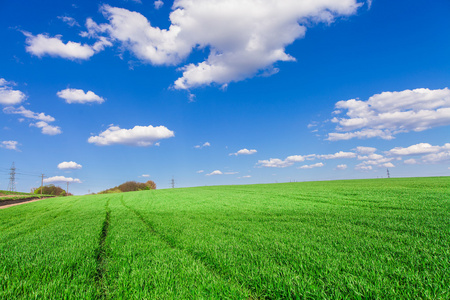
(9, 203)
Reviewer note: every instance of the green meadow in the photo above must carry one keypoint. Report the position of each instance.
(355, 239)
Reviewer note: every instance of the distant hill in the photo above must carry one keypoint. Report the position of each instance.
(131, 186)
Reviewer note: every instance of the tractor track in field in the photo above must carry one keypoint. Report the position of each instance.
(212, 269)
(101, 255)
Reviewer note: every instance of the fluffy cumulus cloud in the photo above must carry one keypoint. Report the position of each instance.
(10, 145)
(244, 151)
(206, 144)
(69, 165)
(216, 172)
(389, 113)
(141, 136)
(317, 165)
(421, 148)
(428, 153)
(79, 96)
(244, 38)
(42, 44)
(61, 179)
(9, 96)
(42, 120)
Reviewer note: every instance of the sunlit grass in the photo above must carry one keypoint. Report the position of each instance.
(384, 239)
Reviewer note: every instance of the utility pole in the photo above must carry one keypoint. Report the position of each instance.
(67, 192)
(12, 179)
(42, 182)
(173, 183)
(388, 175)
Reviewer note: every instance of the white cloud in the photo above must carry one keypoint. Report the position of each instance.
(42, 44)
(437, 157)
(274, 163)
(200, 171)
(295, 158)
(28, 114)
(341, 167)
(230, 173)
(158, 4)
(422, 148)
(8, 96)
(69, 165)
(79, 96)
(410, 161)
(207, 144)
(244, 151)
(363, 167)
(245, 38)
(318, 165)
(216, 172)
(372, 156)
(365, 150)
(61, 179)
(47, 128)
(10, 145)
(69, 21)
(339, 154)
(42, 119)
(389, 113)
(145, 175)
(141, 136)
(246, 176)
(388, 165)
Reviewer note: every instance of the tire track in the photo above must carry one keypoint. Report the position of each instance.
(101, 255)
(199, 259)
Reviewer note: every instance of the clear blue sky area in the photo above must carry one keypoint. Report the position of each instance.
(222, 92)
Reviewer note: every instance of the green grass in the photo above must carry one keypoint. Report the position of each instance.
(7, 195)
(360, 239)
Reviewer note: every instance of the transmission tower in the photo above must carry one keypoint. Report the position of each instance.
(388, 175)
(12, 179)
(173, 183)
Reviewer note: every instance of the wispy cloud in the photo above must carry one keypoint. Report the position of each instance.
(207, 144)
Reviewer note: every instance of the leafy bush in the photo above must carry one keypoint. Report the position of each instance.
(51, 190)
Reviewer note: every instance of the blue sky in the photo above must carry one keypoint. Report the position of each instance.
(222, 92)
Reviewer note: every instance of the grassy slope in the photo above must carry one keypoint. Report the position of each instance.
(6, 195)
(338, 239)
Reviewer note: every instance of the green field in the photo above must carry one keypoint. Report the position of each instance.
(7, 195)
(359, 239)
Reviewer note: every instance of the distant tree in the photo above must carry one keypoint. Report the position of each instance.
(151, 185)
(51, 190)
(131, 186)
